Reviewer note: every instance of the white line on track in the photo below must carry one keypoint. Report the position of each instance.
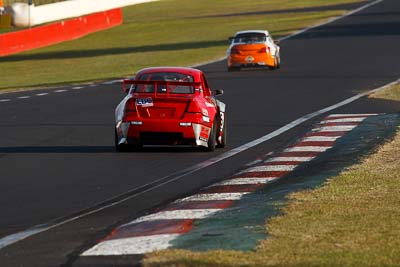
(77, 88)
(5, 100)
(13, 238)
(112, 82)
(24, 97)
(42, 94)
(300, 159)
(175, 215)
(60, 91)
(132, 245)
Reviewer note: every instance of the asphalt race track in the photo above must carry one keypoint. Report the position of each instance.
(57, 157)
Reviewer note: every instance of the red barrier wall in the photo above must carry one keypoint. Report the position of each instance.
(23, 40)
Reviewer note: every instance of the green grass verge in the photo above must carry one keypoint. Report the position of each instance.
(168, 32)
(352, 220)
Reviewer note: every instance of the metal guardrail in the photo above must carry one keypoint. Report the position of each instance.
(36, 2)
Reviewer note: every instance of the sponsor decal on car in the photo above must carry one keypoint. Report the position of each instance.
(145, 102)
(204, 133)
(210, 105)
(249, 59)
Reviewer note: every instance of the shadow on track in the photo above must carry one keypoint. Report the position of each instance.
(353, 30)
(348, 6)
(94, 149)
(115, 51)
(58, 149)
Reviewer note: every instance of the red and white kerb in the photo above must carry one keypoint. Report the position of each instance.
(156, 231)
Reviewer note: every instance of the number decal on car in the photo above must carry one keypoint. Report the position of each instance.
(145, 102)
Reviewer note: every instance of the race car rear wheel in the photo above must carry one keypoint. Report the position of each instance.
(119, 147)
(212, 138)
(276, 64)
(222, 143)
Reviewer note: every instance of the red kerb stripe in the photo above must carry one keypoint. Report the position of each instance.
(299, 154)
(326, 134)
(314, 143)
(262, 174)
(242, 188)
(147, 228)
(209, 204)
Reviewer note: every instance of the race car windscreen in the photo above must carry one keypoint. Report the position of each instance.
(253, 37)
(162, 88)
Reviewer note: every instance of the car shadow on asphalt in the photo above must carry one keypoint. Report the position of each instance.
(57, 149)
(94, 149)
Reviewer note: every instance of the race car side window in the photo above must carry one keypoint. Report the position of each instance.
(207, 91)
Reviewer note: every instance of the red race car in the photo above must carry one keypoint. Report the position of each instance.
(169, 106)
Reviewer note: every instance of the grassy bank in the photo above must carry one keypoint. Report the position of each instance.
(352, 220)
(168, 32)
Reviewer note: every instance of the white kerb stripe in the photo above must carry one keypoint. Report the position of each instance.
(343, 120)
(42, 94)
(272, 168)
(320, 138)
(60, 91)
(240, 181)
(176, 215)
(307, 149)
(339, 128)
(132, 245)
(216, 196)
(353, 115)
(298, 159)
(77, 87)
(23, 97)
(5, 100)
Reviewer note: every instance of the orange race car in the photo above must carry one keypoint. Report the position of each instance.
(253, 49)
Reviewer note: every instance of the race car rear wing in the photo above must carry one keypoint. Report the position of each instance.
(160, 87)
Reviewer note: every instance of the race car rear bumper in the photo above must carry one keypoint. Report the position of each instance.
(249, 61)
(161, 132)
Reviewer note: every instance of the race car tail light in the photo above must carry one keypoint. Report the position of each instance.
(130, 105)
(264, 49)
(130, 110)
(193, 107)
(234, 50)
(193, 111)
